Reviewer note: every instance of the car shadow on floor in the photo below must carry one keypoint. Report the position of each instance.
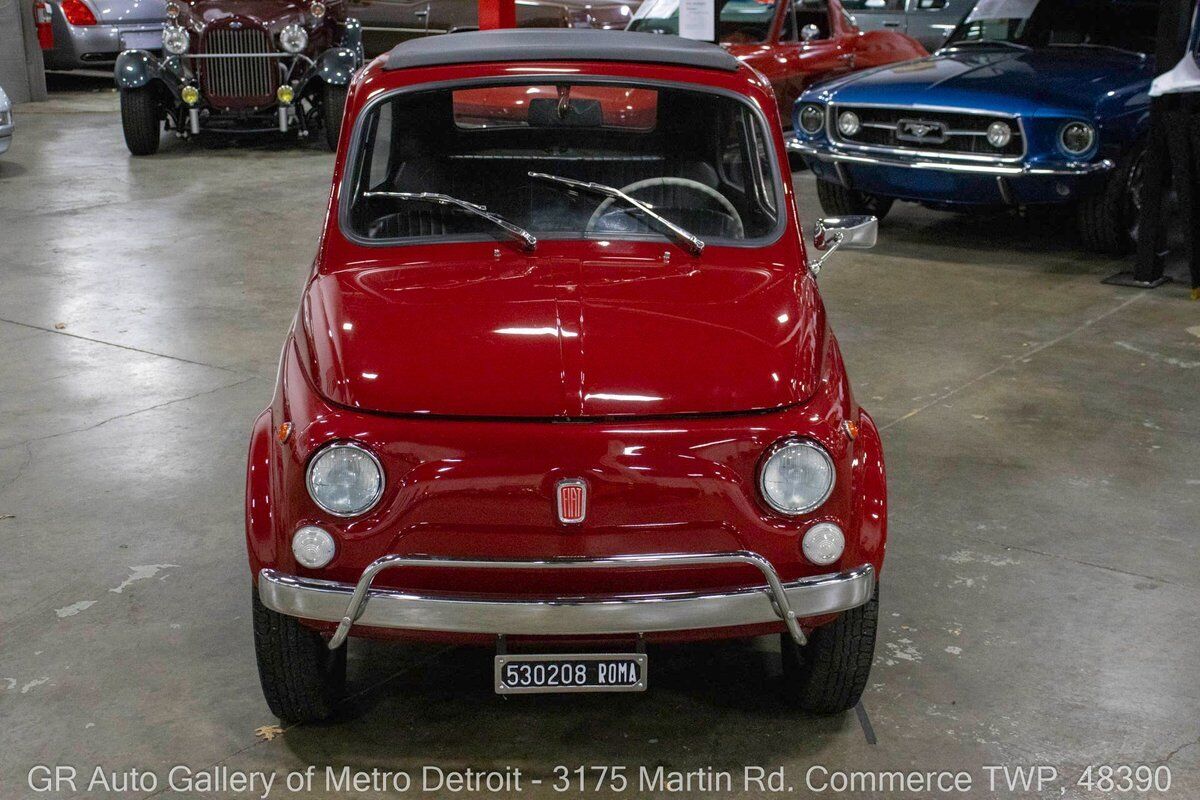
(440, 707)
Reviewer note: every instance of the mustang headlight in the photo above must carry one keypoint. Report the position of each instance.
(345, 479)
(1077, 138)
(796, 477)
(848, 123)
(812, 119)
(999, 134)
(175, 40)
(293, 38)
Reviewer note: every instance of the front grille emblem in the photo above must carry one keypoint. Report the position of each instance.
(921, 131)
(570, 496)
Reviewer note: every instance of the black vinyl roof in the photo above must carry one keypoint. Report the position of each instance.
(558, 44)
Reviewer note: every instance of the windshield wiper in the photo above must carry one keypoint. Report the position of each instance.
(1112, 47)
(988, 43)
(516, 231)
(692, 241)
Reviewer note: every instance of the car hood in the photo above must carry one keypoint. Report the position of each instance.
(543, 337)
(271, 14)
(1017, 82)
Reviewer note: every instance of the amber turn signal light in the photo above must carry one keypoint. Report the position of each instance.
(284, 432)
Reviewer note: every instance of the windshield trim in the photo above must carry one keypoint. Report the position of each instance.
(353, 164)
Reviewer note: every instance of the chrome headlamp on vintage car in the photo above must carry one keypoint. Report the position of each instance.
(345, 479)
(796, 476)
(175, 40)
(1077, 138)
(286, 68)
(293, 38)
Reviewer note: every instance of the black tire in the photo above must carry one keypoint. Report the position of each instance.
(838, 201)
(333, 106)
(302, 679)
(829, 674)
(1108, 219)
(141, 120)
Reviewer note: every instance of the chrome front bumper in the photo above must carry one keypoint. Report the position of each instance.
(997, 168)
(350, 604)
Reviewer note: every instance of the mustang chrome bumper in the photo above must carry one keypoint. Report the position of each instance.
(997, 168)
(349, 604)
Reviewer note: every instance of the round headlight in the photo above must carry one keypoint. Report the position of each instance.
(849, 123)
(175, 40)
(313, 547)
(796, 477)
(812, 119)
(1078, 137)
(823, 543)
(999, 134)
(345, 479)
(293, 38)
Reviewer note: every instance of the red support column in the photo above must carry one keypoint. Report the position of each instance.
(497, 14)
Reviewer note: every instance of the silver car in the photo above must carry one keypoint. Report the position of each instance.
(6, 122)
(91, 33)
(927, 21)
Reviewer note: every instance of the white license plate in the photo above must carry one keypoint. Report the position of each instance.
(141, 40)
(574, 672)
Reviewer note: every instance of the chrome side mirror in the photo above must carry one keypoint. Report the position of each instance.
(857, 232)
(809, 32)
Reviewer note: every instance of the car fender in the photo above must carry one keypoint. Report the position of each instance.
(870, 495)
(261, 544)
(135, 69)
(336, 66)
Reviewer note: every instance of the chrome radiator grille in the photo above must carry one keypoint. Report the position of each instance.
(918, 130)
(250, 81)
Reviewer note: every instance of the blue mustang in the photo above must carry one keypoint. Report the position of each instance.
(1030, 102)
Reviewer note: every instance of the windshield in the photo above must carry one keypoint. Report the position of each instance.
(739, 22)
(1121, 24)
(696, 161)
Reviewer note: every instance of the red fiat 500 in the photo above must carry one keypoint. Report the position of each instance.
(561, 382)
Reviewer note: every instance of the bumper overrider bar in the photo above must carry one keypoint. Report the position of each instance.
(350, 604)
(917, 161)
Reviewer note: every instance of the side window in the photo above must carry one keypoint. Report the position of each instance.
(381, 148)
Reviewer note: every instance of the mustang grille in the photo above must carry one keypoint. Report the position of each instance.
(238, 81)
(922, 131)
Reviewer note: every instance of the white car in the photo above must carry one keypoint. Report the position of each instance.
(6, 122)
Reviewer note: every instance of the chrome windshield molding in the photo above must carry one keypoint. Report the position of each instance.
(350, 604)
(837, 155)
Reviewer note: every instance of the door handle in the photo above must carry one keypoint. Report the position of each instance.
(421, 14)
(891, 24)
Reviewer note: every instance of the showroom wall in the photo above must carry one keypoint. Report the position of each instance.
(21, 72)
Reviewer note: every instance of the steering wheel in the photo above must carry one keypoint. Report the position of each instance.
(682, 183)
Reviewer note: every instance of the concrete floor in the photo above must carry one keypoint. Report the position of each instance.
(1042, 433)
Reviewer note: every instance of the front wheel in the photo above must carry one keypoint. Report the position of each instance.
(828, 675)
(1108, 219)
(333, 106)
(839, 201)
(141, 120)
(302, 679)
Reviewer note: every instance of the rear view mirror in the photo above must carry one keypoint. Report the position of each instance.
(809, 32)
(857, 232)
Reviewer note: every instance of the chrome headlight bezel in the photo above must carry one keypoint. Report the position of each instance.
(1087, 128)
(175, 39)
(332, 447)
(819, 118)
(293, 38)
(773, 452)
